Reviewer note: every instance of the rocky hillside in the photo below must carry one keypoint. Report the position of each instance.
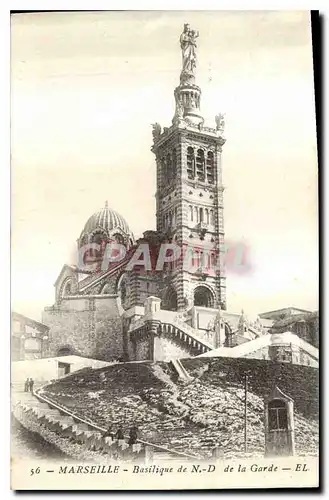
(196, 416)
(298, 382)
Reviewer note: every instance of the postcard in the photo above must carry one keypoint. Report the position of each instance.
(165, 324)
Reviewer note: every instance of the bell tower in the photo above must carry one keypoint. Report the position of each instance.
(189, 196)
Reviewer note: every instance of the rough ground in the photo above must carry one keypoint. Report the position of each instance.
(191, 417)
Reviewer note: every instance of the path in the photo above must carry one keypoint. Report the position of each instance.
(25, 443)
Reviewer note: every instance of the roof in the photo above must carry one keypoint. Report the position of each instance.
(66, 267)
(106, 220)
(113, 267)
(283, 310)
(73, 359)
(266, 322)
(276, 393)
(295, 318)
(29, 321)
(286, 338)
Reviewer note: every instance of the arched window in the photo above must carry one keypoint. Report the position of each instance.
(169, 301)
(200, 170)
(123, 291)
(119, 238)
(228, 336)
(196, 214)
(67, 289)
(206, 260)
(174, 163)
(210, 168)
(98, 238)
(195, 257)
(169, 168)
(106, 289)
(213, 260)
(175, 217)
(211, 217)
(190, 163)
(191, 212)
(206, 213)
(163, 171)
(201, 259)
(201, 214)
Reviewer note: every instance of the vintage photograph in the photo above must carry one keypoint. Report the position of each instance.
(164, 247)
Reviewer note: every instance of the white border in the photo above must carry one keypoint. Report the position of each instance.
(5, 154)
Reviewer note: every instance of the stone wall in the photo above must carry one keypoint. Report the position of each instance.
(142, 349)
(29, 338)
(157, 348)
(87, 326)
(262, 353)
(284, 354)
(165, 350)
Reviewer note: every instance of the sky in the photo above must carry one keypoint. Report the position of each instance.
(85, 89)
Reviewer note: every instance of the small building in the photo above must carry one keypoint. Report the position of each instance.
(47, 369)
(304, 325)
(29, 338)
(279, 424)
(282, 348)
(286, 312)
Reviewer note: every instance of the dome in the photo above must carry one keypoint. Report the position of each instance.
(109, 224)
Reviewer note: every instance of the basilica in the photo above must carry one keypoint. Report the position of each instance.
(131, 313)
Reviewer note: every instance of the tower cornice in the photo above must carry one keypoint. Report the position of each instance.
(206, 134)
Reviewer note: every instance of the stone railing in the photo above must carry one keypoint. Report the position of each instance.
(196, 334)
(99, 274)
(175, 320)
(88, 434)
(136, 325)
(190, 340)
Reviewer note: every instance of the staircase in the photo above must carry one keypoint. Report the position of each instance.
(182, 373)
(37, 410)
(195, 340)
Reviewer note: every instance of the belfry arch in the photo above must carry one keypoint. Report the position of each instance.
(203, 297)
(169, 301)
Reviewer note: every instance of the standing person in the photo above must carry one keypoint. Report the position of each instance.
(26, 385)
(133, 434)
(31, 384)
(119, 435)
(109, 432)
